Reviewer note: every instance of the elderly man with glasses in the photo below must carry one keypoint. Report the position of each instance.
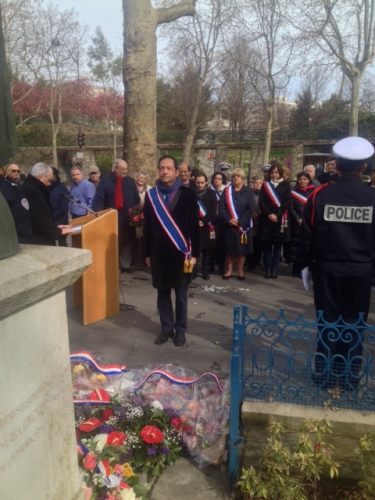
(13, 174)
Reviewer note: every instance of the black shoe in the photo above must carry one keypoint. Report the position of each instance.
(226, 276)
(163, 337)
(179, 339)
(205, 276)
(241, 278)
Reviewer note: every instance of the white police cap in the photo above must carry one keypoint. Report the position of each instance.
(224, 166)
(265, 168)
(353, 148)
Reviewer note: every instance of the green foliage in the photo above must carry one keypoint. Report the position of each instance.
(35, 134)
(366, 456)
(104, 162)
(288, 473)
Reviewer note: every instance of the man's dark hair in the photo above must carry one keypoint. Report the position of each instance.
(350, 165)
(201, 174)
(165, 157)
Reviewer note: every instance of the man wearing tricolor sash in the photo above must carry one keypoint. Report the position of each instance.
(171, 236)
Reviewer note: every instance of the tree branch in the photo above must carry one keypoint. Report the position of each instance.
(170, 14)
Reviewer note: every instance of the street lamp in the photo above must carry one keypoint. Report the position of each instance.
(55, 42)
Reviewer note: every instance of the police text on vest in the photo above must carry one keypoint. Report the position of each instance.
(334, 213)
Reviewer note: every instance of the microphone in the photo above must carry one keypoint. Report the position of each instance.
(78, 203)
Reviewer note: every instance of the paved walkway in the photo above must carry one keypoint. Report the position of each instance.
(128, 338)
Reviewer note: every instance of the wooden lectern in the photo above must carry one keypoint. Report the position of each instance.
(97, 291)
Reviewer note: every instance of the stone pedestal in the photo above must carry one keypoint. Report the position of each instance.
(37, 437)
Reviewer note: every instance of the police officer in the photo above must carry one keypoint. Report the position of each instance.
(19, 207)
(337, 242)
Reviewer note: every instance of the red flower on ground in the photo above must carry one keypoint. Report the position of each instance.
(107, 413)
(100, 394)
(89, 462)
(176, 423)
(89, 425)
(151, 434)
(116, 438)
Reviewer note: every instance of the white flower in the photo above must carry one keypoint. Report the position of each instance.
(157, 405)
(128, 494)
(101, 441)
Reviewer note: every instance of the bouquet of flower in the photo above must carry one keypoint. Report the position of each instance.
(120, 438)
(136, 215)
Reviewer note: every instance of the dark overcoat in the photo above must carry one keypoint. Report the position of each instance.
(60, 204)
(45, 231)
(167, 262)
(105, 198)
(296, 214)
(270, 231)
(210, 204)
(245, 206)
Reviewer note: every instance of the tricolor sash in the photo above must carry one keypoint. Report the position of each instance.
(233, 213)
(203, 213)
(169, 226)
(274, 197)
(218, 195)
(299, 196)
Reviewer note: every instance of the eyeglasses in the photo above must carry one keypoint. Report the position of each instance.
(15, 171)
(236, 175)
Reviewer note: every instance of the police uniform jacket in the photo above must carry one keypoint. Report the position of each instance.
(19, 207)
(45, 231)
(339, 224)
(167, 262)
(105, 198)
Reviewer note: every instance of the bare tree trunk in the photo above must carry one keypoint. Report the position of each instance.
(140, 23)
(267, 142)
(354, 105)
(192, 125)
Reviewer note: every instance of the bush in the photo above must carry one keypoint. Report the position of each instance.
(290, 473)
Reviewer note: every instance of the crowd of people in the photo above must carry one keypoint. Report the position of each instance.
(239, 221)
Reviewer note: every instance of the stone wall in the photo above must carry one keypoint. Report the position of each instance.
(38, 459)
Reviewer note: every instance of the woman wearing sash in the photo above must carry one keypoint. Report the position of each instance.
(236, 208)
(300, 194)
(274, 203)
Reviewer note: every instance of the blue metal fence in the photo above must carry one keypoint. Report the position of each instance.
(299, 362)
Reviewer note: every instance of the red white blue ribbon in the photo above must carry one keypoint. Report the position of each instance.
(274, 197)
(272, 193)
(299, 196)
(228, 192)
(217, 192)
(203, 213)
(178, 380)
(167, 222)
(88, 358)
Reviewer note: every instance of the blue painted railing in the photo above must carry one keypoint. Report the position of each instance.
(299, 362)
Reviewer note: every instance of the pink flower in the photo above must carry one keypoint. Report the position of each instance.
(107, 413)
(119, 469)
(89, 462)
(176, 423)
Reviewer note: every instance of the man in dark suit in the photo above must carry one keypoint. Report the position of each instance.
(171, 237)
(36, 191)
(118, 190)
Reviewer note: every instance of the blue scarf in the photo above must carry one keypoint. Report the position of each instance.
(169, 192)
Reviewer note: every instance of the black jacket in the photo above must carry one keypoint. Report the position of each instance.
(166, 261)
(60, 204)
(296, 215)
(44, 230)
(19, 206)
(339, 224)
(105, 198)
(270, 231)
(210, 204)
